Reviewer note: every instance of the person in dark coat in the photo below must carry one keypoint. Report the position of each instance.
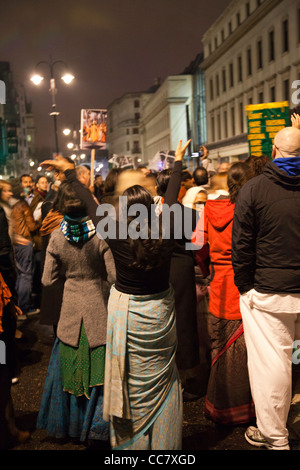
(182, 278)
(10, 435)
(266, 263)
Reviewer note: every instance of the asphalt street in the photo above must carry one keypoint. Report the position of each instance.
(199, 433)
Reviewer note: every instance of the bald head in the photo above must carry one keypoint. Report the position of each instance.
(287, 142)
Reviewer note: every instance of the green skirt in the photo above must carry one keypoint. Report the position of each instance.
(81, 367)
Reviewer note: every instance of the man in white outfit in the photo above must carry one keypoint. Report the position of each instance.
(266, 263)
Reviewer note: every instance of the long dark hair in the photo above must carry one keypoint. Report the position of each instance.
(67, 202)
(162, 181)
(238, 174)
(148, 252)
(257, 164)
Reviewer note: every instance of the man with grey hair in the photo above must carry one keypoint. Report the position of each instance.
(266, 263)
(84, 175)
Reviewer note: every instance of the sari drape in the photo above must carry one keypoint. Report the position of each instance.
(141, 380)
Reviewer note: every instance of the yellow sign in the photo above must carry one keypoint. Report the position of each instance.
(254, 123)
(277, 104)
(274, 128)
(256, 136)
(276, 122)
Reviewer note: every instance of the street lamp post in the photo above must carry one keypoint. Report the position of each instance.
(67, 78)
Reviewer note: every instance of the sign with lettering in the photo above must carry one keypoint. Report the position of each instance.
(264, 121)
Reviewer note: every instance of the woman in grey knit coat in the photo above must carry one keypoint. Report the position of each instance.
(73, 393)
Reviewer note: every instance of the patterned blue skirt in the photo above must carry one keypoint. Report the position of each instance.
(64, 415)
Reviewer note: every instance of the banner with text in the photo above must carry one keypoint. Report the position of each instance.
(264, 121)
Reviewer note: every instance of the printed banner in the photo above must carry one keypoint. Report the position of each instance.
(264, 121)
(93, 129)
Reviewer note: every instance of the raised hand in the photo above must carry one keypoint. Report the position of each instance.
(205, 152)
(180, 151)
(295, 118)
(58, 164)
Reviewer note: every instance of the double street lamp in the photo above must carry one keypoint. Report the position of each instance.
(37, 79)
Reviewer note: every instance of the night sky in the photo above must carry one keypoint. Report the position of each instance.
(112, 47)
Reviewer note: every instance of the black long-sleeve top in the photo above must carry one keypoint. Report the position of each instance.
(129, 278)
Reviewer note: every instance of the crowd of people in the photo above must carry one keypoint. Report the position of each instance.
(135, 318)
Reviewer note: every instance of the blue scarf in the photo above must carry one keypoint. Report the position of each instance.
(291, 165)
(77, 229)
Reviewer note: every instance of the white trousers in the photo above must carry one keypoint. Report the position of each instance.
(269, 337)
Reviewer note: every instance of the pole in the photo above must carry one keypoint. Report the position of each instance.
(55, 132)
(54, 112)
(92, 166)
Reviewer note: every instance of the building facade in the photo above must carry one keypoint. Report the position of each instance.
(26, 131)
(251, 56)
(168, 116)
(123, 124)
(17, 129)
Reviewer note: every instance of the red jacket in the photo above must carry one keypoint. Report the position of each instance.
(214, 230)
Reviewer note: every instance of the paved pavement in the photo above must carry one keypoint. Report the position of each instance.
(199, 434)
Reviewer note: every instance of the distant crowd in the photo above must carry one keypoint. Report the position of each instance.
(138, 322)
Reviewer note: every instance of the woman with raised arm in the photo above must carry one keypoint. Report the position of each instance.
(142, 391)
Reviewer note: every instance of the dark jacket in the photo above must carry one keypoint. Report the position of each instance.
(7, 261)
(266, 233)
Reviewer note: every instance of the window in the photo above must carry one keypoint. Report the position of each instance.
(224, 79)
(247, 9)
(219, 126)
(225, 124)
(216, 42)
(229, 27)
(231, 78)
(286, 90)
(222, 35)
(272, 94)
(137, 116)
(211, 89)
(217, 85)
(259, 55)
(127, 146)
(285, 36)
(271, 46)
(136, 103)
(233, 121)
(260, 97)
(249, 62)
(241, 117)
(136, 147)
(299, 25)
(212, 129)
(240, 69)
(238, 19)
(135, 130)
